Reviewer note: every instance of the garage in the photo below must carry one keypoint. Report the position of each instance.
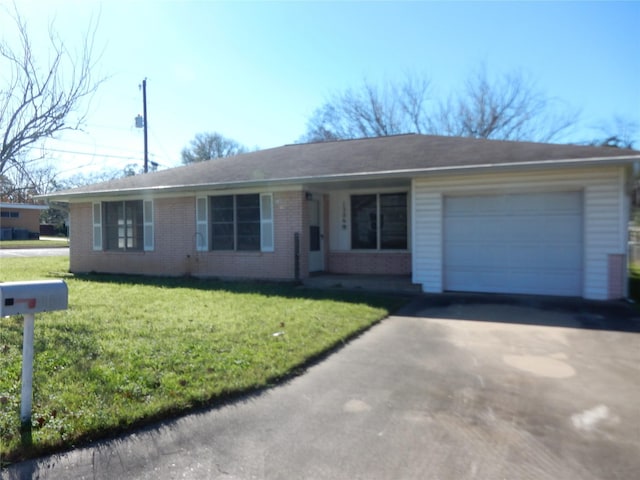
(530, 243)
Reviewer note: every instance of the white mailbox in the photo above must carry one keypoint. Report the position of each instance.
(20, 298)
(27, 299)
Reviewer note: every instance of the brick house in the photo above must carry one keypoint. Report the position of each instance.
(453, 213)
(20, 220)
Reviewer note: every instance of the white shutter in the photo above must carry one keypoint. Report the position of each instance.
(266, 222)
(148, 225)
(202, 220)
(97, 226)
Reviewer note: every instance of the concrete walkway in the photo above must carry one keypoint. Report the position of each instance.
(449, 389)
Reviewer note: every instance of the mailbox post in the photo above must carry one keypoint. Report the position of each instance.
(26, 394)
(27, 299)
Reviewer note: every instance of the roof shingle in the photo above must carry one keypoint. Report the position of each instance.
(351, 158)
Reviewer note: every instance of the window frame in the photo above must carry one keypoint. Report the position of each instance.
(142, 231)
(378, 222)
(205, 230)
(217, 221)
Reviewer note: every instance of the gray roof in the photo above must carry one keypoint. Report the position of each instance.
(24, 206)
(382, 157)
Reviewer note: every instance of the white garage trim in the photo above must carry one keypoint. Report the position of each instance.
(514, 243)
(603, 212)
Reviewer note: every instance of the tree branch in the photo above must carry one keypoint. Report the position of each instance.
(37, 102)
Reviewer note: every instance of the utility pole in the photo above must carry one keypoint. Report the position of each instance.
(145, 124)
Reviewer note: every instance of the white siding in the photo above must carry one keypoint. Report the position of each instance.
(604, 225)
(427, 238)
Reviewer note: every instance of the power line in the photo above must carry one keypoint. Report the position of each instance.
(88, 154)
(108, 127)
(133, 156)
(97, 146)
(94, 146)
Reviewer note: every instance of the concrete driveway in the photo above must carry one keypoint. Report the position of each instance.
(454, 387)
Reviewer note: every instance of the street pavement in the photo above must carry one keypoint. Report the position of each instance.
(34, 252)
(452, 387)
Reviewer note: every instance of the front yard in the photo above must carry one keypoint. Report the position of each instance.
(131, 350)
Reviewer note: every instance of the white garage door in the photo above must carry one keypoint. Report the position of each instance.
(522, 243)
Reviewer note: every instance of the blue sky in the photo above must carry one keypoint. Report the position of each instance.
(255, 71)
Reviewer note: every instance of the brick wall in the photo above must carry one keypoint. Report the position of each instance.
(173, 242)
(370, 263)
(279, 264)
(175, 253)
(80, 237)
(27, 219)
(617, 275)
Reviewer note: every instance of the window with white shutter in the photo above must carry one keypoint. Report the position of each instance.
(148, 225)
(266, 222)
(97, 226)
(202, 219)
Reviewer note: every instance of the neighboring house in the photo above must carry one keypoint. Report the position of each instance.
(456, 214)
(20, 221)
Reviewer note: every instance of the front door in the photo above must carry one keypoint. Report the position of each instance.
(316, 252)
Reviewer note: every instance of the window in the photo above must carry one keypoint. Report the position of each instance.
(10, 214)
(123, 226)
(222, 223)
(379, 221)
(393, 221)
(238, 222)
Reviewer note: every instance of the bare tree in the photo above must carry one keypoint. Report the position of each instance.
(211, 145)
(40, 97)
(57, 214)
(619, 132)
(93, 177)
(508, 108)
(19, 184)
(371, 111)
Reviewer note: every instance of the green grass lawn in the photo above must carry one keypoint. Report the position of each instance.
(49, 243)
(131, 350)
